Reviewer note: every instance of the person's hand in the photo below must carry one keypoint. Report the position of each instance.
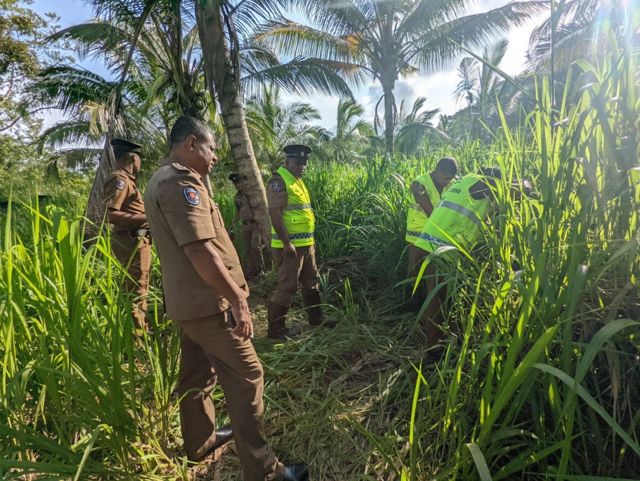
(290, 249)
(242, 316)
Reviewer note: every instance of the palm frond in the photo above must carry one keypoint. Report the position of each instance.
(69, 88)
(119, 9)
(437, 48)
(304, 76)
(426, 15)
(467, 87)
(299, 40)
(75, 158)
(67, 133)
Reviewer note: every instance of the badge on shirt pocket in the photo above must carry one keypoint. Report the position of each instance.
(120, 184)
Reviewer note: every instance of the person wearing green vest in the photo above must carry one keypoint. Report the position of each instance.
(293, 244)
(426, 190)
(456, 225)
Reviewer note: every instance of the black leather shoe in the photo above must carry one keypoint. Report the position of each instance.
(223, 436)
(296, 472)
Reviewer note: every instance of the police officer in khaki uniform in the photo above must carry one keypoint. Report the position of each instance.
(130, 238)
(206, 292)
(293, 244)
(251, 238)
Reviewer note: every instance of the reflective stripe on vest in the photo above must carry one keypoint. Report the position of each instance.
(416, 216)
(297, 216)
(461, 210)
(292, 237)
(457, 220)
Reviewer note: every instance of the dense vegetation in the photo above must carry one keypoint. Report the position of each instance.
(539, 380)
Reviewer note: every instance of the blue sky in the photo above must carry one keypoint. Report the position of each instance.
(438, 88)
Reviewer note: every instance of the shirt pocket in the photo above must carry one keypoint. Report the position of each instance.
(216, 218)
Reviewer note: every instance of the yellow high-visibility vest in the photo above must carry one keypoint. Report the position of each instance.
(298, 215)
(416, 216)
(457, 220)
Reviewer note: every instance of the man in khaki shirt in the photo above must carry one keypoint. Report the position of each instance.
(130, 239)
(251, 239)
(206, 292)
(293, 250)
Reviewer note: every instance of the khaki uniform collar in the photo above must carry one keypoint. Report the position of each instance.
(183, 168)
(128, 174)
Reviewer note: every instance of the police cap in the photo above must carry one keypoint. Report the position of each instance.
(297, 152)
(122, 146)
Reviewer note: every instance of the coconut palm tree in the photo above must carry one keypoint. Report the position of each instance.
(223, 24)
(578, 28)
(156, 50)
(390, 39)
(413, 125)
(272, 125)
(480, 85)
(352, 132)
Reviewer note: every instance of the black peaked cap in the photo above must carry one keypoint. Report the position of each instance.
(297, 151)
(122, 145)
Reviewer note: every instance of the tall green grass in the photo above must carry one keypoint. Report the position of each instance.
(539, 380)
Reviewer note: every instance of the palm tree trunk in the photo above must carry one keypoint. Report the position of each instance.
(95, 211)
(389, 116)
(222, 80)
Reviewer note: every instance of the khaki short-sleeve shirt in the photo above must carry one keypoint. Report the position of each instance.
(180, 211)
(276, 192)
(245, 214)
(120, 192)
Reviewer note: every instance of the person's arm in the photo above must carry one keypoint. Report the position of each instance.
(518, 188)
(481, 189)
(421, 197)
(126, 219)
(209, 266)
(277, 198)
(275, 213)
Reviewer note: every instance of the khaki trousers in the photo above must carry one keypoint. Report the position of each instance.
(211, 350)
(135, 254)
(300, 268)
(252, 248)
(431, 278)
(416, 256)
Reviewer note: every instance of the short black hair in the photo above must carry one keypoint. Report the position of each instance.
(493, 172)
(186, 126)
(123, 155)
(448, 165)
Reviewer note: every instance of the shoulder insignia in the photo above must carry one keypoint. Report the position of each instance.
(120, 184)
(191, 196)
(277, 185)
